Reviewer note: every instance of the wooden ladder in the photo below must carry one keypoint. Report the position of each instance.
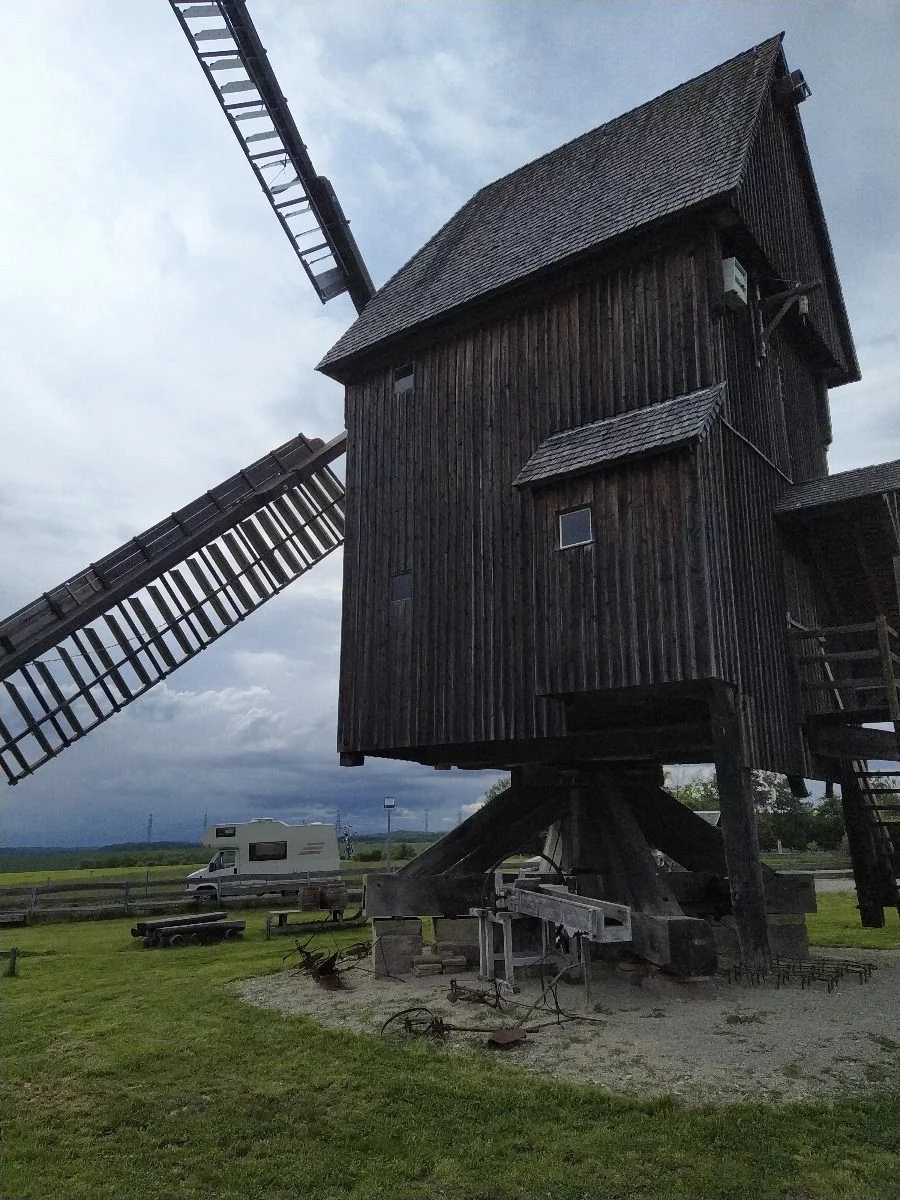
(871, 693)
(874, 842)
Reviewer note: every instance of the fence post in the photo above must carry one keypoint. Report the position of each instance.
(125, 900)
(33, 899)
(11, 964)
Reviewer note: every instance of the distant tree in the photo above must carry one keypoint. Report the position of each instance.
(828, 823)
(496, 789)
(403, 851)
(375, 855)
(700, 794)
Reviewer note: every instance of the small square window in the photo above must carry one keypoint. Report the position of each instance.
(401, 586)
(575, 528)
(404, 379)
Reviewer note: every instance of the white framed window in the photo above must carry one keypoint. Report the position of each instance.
(575, 528)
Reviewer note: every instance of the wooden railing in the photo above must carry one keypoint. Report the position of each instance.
(852, 668)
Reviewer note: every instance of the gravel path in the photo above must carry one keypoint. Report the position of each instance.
(711, 1042)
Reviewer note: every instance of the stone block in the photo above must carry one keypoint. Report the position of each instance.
(392, 955)
(427, 968)
(455, 963)
(788, 935)
(396, 926)
(462, 931)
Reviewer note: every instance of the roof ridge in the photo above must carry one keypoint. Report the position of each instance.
(495, 183)
(687, 154)
(773, 42)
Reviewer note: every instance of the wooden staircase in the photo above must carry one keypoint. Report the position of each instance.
(848, 677)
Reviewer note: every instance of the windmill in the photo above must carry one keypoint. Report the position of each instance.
(90, 646)
(589, 526)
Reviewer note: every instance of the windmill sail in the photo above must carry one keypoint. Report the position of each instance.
(237, 68)
(87, 648)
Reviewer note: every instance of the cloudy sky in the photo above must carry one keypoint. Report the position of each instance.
(157, 332)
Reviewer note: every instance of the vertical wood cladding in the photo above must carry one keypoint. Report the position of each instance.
(772, 400)
(631, 607)
(740, 491)
(465, 658)
(774, 204)
(684, 579)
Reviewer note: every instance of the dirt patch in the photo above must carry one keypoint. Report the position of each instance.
(713, 1042)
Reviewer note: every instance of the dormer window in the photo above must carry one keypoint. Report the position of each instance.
(575, 528)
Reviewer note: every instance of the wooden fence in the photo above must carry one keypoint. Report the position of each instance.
(124, 897)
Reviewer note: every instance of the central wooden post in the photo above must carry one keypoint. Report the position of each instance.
(738, 825)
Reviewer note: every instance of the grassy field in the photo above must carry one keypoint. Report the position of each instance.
(836, 923)
(138, 874)
(136, 1073)
(98, 874)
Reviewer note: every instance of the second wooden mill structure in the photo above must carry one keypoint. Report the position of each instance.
(590, 526)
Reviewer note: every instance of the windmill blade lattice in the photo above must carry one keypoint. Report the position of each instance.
(86, 649)
(237, 68)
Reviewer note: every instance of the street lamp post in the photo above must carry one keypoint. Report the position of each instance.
(389, 805)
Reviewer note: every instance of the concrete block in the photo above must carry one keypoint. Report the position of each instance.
(455, 963)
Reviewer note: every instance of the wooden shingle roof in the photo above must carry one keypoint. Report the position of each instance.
(685, 149)
(656, 429)
(858, 484)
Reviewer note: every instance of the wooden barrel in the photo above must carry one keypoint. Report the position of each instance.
(308, 899)
(334, 896)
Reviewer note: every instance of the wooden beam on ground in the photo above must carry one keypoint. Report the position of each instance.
(738, 826)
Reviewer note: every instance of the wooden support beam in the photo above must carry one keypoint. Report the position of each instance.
(853, 741)
(661, 932)
(429, 896)
(738, 826)
(492, 831)
(671, 827)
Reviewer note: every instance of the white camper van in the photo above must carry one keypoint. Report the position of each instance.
(265, 849)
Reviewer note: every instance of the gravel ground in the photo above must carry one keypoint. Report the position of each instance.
(706, 1042)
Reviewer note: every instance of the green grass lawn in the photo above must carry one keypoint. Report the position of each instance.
(836, 923)
(137, 1073)
(98, 874)
(139, 874)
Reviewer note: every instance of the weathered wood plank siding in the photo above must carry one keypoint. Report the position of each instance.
(773, 201)
(685, 579)
(631, 608)
(493, 602)
(740, 491)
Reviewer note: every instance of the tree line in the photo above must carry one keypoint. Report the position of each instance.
(780, 815)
